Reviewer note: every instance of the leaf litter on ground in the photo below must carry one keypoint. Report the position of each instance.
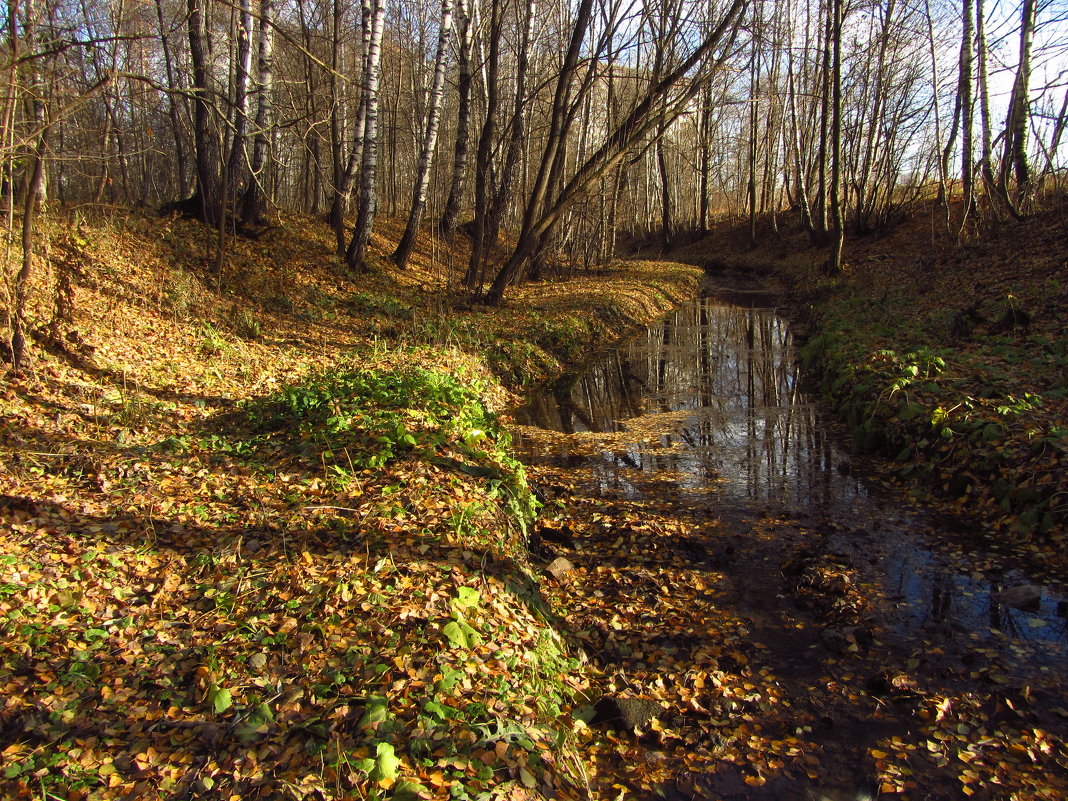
(263, 535)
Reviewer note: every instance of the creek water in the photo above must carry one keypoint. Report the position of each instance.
(709, 405)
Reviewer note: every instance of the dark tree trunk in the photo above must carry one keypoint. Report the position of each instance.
(205, 132)
(1014, 160)
(484, 156)
(516, 135)
(837, 230)
(647, 116)
(343, 190)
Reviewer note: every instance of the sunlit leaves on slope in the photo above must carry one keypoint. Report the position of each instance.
(264, 626)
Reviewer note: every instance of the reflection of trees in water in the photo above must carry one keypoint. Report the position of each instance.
(932, 593)
(734, 368)
(752, 431)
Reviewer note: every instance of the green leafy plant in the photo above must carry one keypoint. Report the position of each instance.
(458, 631)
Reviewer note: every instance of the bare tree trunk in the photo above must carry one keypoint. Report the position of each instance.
(255, 200)
(865, 176)
(612, 223)
(35, 181)
(205, 132)
(1055, 138)
(181, 158)
(947, 151)
(551, 160)
(802, 194)
(706, 157)
(986, 158)
(342, 191)
(967, 112)
(751, 160)
(1014, 159)
(516, 133)
(646, 116)
(426, 156)
(312, 139)
(484, 155)
(337, 104)
(942, 156)
(666, 216)
(465, 32)
(820, 210)
(8, 121)
(837, 230)
(389, 176)
(773, 124)
(238, 159)
(356, 255)
(105, 153)
(29, 213)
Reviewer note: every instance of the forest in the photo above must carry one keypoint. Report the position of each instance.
(482, 399)
(564, 124)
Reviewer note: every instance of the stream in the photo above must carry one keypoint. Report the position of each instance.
(705, 415)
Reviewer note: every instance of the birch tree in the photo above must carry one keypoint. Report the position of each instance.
(465, 34)
(430, 138)
(254, 206)
(356, 255)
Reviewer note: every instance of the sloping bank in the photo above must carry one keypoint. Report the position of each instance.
(456, 683)
(547, 327)
(960, 389)
(343, 607)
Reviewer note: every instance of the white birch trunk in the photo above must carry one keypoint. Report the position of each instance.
(356, 254)
(430, 139)
(255, 204)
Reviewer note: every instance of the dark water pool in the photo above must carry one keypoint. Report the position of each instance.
(709, 404)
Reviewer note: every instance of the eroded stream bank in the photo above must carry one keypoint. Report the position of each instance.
(798, 623)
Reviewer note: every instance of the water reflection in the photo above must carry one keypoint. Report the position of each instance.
(711, 395)
(934, 593)
(708, 403)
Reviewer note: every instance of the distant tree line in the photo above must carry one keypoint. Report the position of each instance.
(559, 123)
